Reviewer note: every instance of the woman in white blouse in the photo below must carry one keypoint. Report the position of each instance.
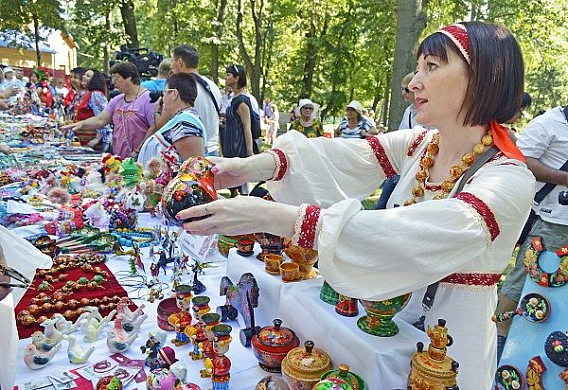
(469, 78)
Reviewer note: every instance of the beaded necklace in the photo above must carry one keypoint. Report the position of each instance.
(456, 171)
(141, 237)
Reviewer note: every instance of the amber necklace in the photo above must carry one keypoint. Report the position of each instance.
(456, 171)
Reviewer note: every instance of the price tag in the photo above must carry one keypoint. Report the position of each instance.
(197, 246)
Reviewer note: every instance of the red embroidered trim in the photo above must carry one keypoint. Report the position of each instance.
(472, 279)
(417, 141)
(483, 210)
(381, 156)
(458, 34)
(281, 164)
(308, 230)
(432, 187)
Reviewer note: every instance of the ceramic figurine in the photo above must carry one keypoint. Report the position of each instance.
(91, 327)
(221, 365)
(182, 318)
(156, 339)
(118, 343)
(36, 359)
(303, 366)
(134, 200)
(197, 332)
(378, 320)
(206, 346)
(122, 330)
(166, 357)
(75, 353)
(192, 186)
(332, 384)
(433, 369)
(197, 268)
(68, 327)
(129, 327)
(129, 315)
(271, 344)
(180, 370)
(242, 298)
(109, 383)
(43, 343)
(97, 216)
(51, 333)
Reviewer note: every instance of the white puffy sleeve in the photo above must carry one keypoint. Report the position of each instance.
(325, 171)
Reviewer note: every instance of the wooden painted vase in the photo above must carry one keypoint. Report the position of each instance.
(433, 369)
(353, 380)
(328, 294)
(192, 186)
(269, 243)
(272, 344)
(378, 320)
(303, 366)
(305, 258)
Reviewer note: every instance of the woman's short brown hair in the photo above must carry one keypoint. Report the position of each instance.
(496, 73)
(126, 70)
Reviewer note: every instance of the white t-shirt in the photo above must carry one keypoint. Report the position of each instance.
(63, 91)
(546, 139)
(208, 113)
(408, 120)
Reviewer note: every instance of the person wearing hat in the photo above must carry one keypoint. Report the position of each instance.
(355, 125)
(12, 84)
(308, 122)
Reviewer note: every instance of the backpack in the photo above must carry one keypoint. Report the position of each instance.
(254, 123)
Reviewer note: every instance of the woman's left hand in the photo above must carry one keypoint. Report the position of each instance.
(241, 215)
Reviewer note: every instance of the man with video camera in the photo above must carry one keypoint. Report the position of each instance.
(185, 59)
(545, 145)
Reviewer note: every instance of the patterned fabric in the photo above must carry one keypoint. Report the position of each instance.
(98, 104)
(313, 131)
(347, 132)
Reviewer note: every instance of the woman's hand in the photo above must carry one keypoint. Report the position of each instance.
(241, 215)
(73, 126)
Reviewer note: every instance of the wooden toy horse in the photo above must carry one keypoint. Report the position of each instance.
(240, 298)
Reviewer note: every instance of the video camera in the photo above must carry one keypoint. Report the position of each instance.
(146, 61)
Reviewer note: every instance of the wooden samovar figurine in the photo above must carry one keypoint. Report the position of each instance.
(433, 369)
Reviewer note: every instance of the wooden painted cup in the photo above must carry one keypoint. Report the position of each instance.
(272, 263)
(290, 272)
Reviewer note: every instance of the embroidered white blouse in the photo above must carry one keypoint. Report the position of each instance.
(379, 254)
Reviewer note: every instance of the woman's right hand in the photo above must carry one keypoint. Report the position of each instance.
(73, 126)
(229, 172)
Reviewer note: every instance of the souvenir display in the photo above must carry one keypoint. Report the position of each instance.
(197, 332)
(533, 307)
(120, 218)
(156, 339)
(303, 366)
(241, 298)
(556, 348)
(225, 243)
(555, 279)
(165, 309)
(272, 263)
(109, 383)
(272, 382)
(131, 172)
(192, 186)
(120, 342)
(328, 294)
(206, 349)
(75, 353)
(433, 369)
(182, 318)
(332, 384)
(535, 371)
(245, 247)
(36, 359)
(290, 272)
(510, 378)
(347, 306)
(161, 379)
(353, 380)
(305, 258)
(220, 364)
(271, 344)
(166, 357)
(91, 326)
(378, 320)
(269, 243)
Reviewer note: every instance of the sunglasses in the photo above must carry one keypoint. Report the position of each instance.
(405, 89)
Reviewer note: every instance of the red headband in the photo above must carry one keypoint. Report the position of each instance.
(458, 34)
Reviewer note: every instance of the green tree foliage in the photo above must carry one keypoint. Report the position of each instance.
(21, 14)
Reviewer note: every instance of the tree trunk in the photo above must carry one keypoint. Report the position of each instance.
(129, 22)
(257, 16)
(214, 71)
(411, 20)
(242, 48)
(37, 39)
(385, 108)
(267, 58)
(107, 48)
(310, 63)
